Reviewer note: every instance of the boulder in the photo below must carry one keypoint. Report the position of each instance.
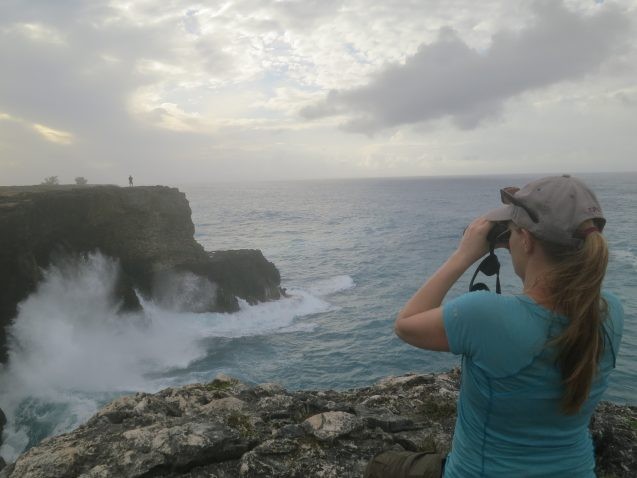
(332, 425)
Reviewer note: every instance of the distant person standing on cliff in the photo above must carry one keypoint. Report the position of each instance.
(130, 180)
(535, 364)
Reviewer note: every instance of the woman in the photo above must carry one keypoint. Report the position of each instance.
(534, 365)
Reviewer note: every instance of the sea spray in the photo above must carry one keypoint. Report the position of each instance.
(71, 351)
(184, 291)
(325, 287)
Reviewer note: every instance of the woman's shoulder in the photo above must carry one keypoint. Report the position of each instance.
(488, 308)
(488, 298)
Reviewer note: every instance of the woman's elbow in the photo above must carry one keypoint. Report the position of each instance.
(424, 330)
(398, 327)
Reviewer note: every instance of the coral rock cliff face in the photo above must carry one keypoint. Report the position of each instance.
(149, 230)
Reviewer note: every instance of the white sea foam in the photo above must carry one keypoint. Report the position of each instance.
(250, 320)
(325, 287)
(69, 349)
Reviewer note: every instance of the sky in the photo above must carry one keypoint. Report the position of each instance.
(175, 92)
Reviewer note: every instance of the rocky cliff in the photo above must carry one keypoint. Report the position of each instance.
(227, 429)
(149, 230)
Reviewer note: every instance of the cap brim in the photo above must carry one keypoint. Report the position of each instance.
(504, 213)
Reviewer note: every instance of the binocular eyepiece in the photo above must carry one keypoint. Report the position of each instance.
(498, 235)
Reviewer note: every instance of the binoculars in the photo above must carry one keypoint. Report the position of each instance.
(498, 235)
(490, 265)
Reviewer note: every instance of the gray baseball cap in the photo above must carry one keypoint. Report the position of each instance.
(551, 208)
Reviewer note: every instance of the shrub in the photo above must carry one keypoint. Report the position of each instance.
(51, 181)
(81, 180)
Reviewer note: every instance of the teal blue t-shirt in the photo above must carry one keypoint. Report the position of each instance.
(509, 421)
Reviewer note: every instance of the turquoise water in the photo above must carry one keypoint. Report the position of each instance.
(350, 253)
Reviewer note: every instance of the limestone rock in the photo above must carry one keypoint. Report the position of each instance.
(231, 404)
(332, 425)
(227, 429)
(614, 430)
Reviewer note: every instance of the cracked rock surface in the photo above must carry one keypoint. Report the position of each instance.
(227, 429)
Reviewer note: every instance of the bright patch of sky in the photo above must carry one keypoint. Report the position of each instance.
(178, 91)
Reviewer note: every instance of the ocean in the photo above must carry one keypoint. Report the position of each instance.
(350, 253)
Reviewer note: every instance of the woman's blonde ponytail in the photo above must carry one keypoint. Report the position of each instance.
(574, 290)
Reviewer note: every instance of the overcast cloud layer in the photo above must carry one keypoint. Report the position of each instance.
(260, 89)
(449, 78)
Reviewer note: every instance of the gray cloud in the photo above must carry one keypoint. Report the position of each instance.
(447, 78)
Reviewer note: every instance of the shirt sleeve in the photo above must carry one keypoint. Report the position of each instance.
(467, 320)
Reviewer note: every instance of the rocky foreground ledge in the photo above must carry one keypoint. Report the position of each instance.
(228, 429)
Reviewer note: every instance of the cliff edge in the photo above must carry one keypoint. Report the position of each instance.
(227, 429)
(149, 230)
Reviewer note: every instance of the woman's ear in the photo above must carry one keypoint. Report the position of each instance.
(528, 241)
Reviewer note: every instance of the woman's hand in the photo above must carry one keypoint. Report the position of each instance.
(420, 321)
(473, 244)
